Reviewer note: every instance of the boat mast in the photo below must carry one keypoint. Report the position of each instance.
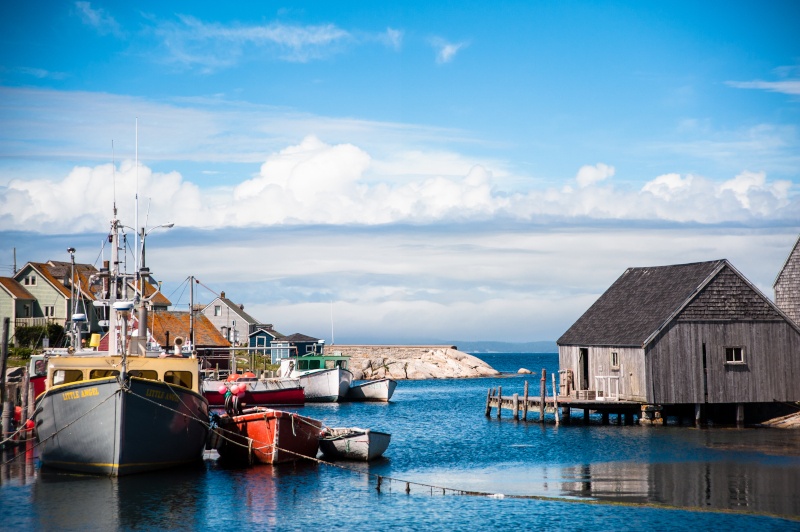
(191, 312)
(113, 273)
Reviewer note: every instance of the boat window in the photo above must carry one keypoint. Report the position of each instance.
(103, 373)
(65, 376)
(144, 374)
(309, 364)
(181, 378)
(40, 367)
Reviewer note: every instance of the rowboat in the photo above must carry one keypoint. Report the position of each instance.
(263, 435)
(353, 443)
(380, 390)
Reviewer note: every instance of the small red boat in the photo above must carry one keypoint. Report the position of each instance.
(263, 435)
(255, 392)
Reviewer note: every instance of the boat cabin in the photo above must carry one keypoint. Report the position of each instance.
(176, 371)
(310, 362)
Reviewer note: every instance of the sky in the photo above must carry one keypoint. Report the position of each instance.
(409, 172)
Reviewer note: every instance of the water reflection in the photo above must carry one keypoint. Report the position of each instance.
(715, 485)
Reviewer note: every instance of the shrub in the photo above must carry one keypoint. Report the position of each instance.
(32, 336)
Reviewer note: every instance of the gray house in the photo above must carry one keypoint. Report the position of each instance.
(688, 334)
(787, 284)
(231, 319)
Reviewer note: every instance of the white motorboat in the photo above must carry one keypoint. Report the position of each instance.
(379, 390)
(325, 379)
(353, 443)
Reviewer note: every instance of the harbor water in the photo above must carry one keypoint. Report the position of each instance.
(448, 467)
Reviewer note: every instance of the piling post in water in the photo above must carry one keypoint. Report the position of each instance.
(525, 403)
(515, 406)
(739, 415)
(555, 399)
(489, 403)
(543, 393)
(499, 401)
(697, 414)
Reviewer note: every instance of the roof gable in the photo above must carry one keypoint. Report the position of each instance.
(792, 261)
(14, 288)
(639, 303)
(297, 337)
(236, 309)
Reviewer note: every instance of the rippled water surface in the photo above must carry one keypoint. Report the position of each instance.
(573, 477)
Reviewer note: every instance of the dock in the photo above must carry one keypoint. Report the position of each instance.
(625, 412)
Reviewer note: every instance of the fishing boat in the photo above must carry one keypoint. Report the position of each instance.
(263, 435)
(353, 444)
(379, 390)
(254, 392)
(325, 378)
(120, 411)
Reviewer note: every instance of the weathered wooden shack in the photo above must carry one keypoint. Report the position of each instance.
(689, 334)
(787, 284)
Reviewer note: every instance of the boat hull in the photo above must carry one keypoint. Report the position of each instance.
(280, 392)
(266, 436)
(354, 444)
(325, 385)
(94, 426)
(380, 390)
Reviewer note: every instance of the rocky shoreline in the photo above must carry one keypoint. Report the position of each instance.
(411, 362)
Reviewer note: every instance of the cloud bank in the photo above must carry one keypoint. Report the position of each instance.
(340, 184)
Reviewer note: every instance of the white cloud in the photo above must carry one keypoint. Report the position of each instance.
(99, 19)
(338, 184)
(211, 46)
(784, 87)
(393, 38)
(589, 175)
(446, 51)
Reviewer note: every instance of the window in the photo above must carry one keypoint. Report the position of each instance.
(30, 280)
(614, 360)
(181, 378)
(217, 310)
(103, 373)
(734, 355)
(65, 376)
(144, 374)
(49, 311)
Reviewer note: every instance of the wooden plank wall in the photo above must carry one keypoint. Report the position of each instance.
(770, 372)
(631, 370)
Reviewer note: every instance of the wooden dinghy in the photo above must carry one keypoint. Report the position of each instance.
(263, 435)
(353, 443)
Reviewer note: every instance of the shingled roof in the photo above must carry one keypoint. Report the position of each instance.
(639, 303)
(15, 289)
(177, 323)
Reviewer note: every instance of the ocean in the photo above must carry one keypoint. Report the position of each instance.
(448, 468)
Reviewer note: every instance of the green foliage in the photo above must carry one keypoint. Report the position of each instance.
(32, 336)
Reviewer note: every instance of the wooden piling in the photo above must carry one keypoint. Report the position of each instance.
(499, 401)
(740, 415)
(525, 403)
(697, 414)
(515, 406)
(555, 399)
(543, 392)
(489, 403)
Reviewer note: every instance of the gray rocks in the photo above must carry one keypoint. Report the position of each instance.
(412, 362)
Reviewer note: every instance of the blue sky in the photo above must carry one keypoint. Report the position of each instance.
(416, 171)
